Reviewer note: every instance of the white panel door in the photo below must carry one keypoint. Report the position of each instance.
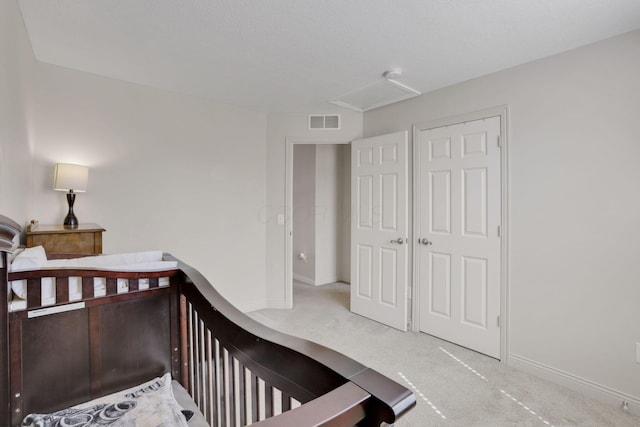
(457, 196)
(379, 230)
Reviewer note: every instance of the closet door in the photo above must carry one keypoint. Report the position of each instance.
(457, 196)
(379, 228)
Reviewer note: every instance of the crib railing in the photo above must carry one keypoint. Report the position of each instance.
(238, 371)
(86, 277)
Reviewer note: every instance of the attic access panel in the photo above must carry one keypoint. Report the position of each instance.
(378, 94)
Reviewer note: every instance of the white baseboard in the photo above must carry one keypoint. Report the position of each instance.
(315, 282)
(600, 392)
(304, 279)
(326, 281)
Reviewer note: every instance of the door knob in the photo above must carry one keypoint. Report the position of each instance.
(425, 241)
(399, 241)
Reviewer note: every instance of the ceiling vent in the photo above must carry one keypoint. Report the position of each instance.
(328, 121)
(383, 92)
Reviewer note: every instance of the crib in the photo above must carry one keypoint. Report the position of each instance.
(236, 371)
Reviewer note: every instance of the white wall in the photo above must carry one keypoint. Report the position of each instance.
(294, 126)
(574, 289)
(16, 62)
(167, 172)
(328, 200)
(303, 213)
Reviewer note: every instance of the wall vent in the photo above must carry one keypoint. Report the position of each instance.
(328, 121)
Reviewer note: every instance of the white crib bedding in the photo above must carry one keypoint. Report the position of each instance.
(149, 404)
(35, 258)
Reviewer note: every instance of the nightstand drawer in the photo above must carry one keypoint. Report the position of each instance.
(86, 239)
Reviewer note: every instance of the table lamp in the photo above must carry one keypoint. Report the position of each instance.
(71, 178)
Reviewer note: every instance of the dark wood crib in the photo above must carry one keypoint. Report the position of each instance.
(237, 371)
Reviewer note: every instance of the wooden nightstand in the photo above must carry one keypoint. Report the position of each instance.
(86, 239)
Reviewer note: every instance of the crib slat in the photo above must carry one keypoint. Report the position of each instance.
(153, 282)
(175, 332)
(210, 376)
(232, 388)
(206, 410)
(255, 389)
(112, 286)
(87, 288)
(34, 293)
(242, 389)
(202, 400)
(184, 351)
(62, 290)
(224, 415)
(198, 364)
(286, 402)
(192, 385)
(216, 386)
(268, 401)
(203, 368)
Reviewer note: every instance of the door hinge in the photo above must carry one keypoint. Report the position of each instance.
(408, 325)
(499, 232)
(498, 321)
(499, 142)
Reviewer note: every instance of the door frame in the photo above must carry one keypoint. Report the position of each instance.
(288, 208)
(502, 112)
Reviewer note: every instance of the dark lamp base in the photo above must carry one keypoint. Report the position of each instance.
(70, 221)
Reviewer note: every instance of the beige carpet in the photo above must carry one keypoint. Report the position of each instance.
(454, 386)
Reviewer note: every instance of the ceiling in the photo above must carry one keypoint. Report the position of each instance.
(295, 55)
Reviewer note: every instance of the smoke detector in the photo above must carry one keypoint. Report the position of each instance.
(392, 74)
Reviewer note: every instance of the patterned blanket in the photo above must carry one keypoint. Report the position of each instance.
(148, 405)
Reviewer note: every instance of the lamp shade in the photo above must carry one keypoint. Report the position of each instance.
(70, 177)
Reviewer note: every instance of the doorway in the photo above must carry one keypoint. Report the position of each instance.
(317, 222)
